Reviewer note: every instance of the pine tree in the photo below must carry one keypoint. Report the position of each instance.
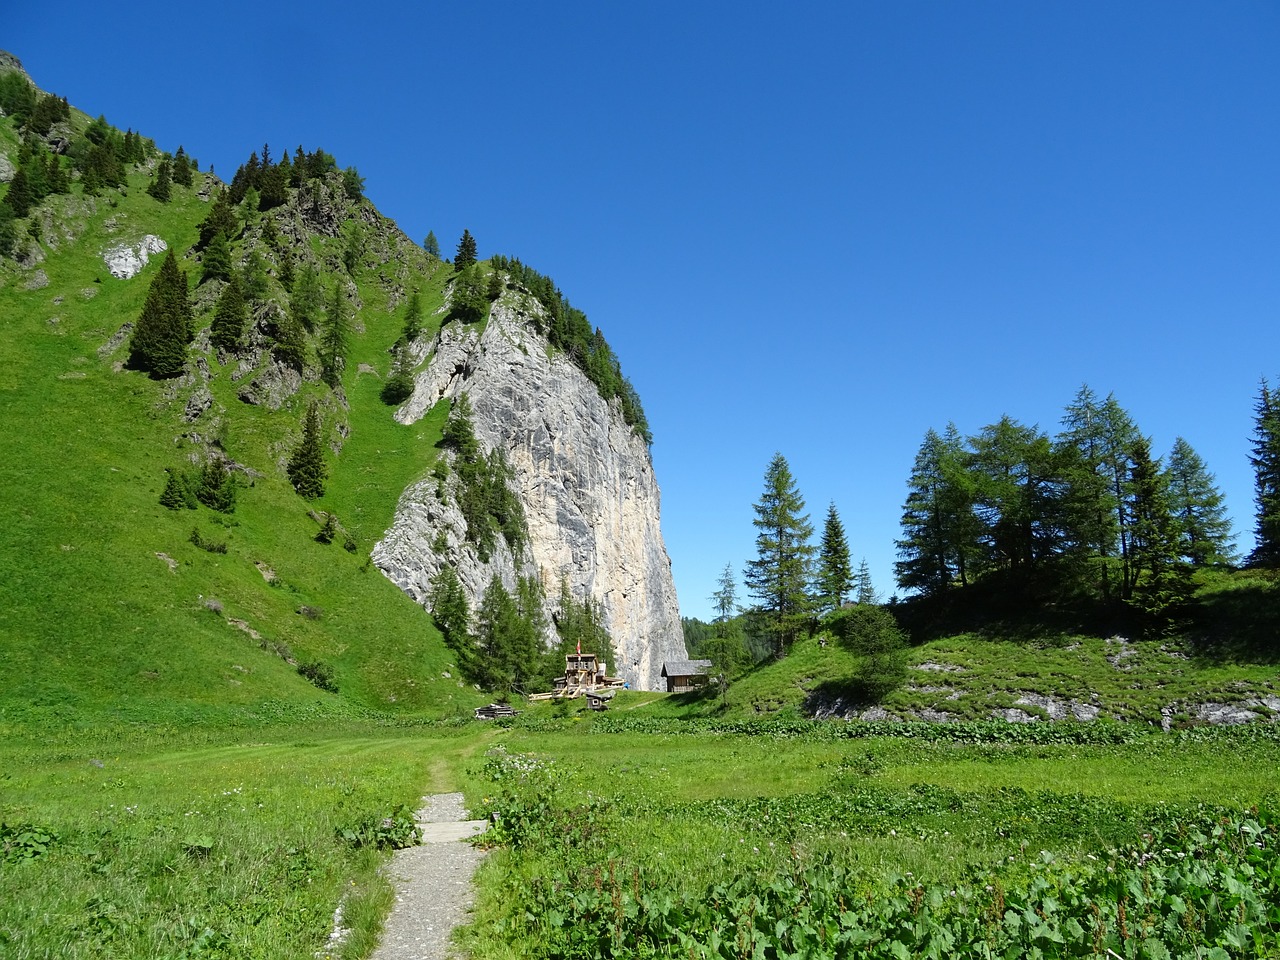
(229, 317)
(466, 255)
(779, 576)
(333, 339)
(1199, 508)
(1266, 467)
(307, 470)
(163, 332)
(431, 245)
(160, 187)
(834, 575)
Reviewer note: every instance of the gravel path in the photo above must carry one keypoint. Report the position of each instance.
(433, 883)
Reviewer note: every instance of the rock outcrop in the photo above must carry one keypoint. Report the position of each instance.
(126, 260)
(584, 477)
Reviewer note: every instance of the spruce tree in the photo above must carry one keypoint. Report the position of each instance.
(291, 343)
(221, 219)
(834, 574)
(181, 168)
(779, 576)
(306, 469)
(1266, 480)
(333, 339)
(307, 299)
(160, 187)
(451, 612)
(229, 317)
(163, 332)
(215, 263)
(466, 255)
(1161, 582)
(413, 318)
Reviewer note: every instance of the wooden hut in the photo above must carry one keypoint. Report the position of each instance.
(685, 675)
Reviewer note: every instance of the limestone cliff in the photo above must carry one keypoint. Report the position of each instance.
(586, 481)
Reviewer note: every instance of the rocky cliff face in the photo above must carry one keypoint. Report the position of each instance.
(586, 482)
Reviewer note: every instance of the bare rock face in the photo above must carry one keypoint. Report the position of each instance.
(586, 481)
(126, 260)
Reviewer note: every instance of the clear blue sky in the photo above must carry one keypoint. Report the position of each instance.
(814, 228)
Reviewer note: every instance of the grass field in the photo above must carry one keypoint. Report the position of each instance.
(228, 842)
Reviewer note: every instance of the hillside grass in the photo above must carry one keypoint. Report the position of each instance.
(107, 610)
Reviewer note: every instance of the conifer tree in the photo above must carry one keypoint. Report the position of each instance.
(412, 318)
(451, 612)
(229, 317)
(163, 332)
(221, 219)
(864, 590)
(834, 574)
(307, 299)
(217, 487)
(181, 168)
(306, 469)
(1266, 480)
(466, 255)
(1161, 583)
(399, 385)
(431, 245)
(333, 338)
(174, 496)
(160, 187)
(290, 347)
(1204, 530)
(215, 262)
(779, 576)
(939, 531)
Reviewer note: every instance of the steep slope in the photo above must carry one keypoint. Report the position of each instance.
(584, 477)
(111, 603)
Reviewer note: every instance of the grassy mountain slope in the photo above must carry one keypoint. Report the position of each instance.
(93, 617)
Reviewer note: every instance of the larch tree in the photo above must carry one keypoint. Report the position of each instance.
(864, 589)
(939, 529)
(431, 245)
(1204, 530)
(835, 576)
(779, 576)
(306, 469)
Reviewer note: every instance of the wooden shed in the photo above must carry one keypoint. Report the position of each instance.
(685, 675)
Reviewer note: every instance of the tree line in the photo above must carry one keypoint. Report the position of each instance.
(1090, 512)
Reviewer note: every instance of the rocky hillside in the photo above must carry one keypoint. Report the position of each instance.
(111, 599)
(585, 478)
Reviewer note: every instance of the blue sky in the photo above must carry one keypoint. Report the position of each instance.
(813, 228)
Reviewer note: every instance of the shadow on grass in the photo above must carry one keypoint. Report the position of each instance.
(1238, 621)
